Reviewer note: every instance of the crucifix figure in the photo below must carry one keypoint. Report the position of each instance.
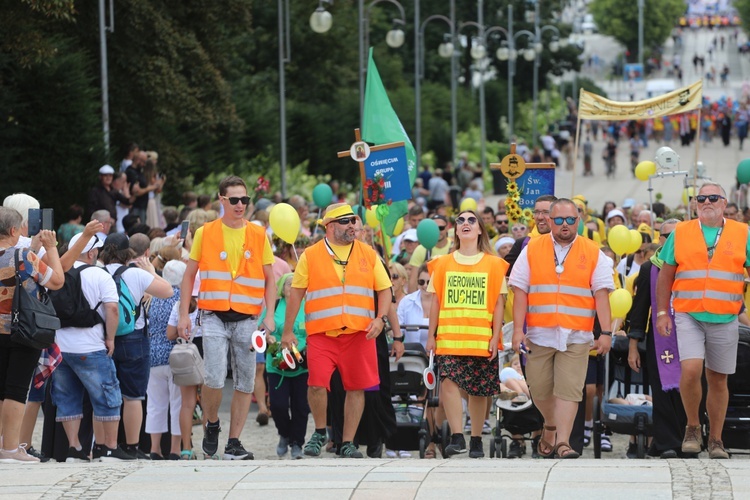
(667, 357)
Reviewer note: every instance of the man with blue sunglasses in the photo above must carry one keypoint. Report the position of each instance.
(558, 298)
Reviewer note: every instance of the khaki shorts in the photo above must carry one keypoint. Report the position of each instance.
(714, 342)
(560, 373)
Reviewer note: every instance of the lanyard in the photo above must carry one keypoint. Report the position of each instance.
(716, 240)
(342, 263)
(559, 266)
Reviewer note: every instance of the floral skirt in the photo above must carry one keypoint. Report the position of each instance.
(477, 376)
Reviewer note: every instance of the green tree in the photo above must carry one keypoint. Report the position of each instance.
(620, 20)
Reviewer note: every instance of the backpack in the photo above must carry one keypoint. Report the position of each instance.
(129, 310)
(186, 364)
(71, 305)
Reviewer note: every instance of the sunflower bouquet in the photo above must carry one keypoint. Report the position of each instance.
(513, 205)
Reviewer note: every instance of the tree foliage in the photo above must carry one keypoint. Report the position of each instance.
(620, 20)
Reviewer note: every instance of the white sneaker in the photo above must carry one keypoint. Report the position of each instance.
(390, 454)
(404, 454)
(17, 457)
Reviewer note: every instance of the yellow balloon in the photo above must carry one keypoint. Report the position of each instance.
(468, 204)
(284, 221)
(645, 169)
(636, 240)
(619, 240)
(686, 193)
(620, 302)
(398, 227)
(371, 218)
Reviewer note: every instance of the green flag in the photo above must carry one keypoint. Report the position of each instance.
(380, 125)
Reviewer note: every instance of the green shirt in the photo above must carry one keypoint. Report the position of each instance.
(299, 332)
(709, 235)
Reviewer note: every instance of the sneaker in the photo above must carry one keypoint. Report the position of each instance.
(467, 426)
(632, 451)
(404, 454)
(137, 454)
(96, 452)
(475, 447)
(282, 447)
(606, 443)
(348, 450)
(296, 452)
(211, 438)
(517, 448)
(155, 456)
(114, 455)
(174, 456)
(19, 456)
(235, 451)
(456, 446)
(75, 456)
(486, 428)
(38, 454)
(666, 454)
(587, 431)
(391, 454)
(692, 442)
(315, 444)
(534, 446)
(716, 449)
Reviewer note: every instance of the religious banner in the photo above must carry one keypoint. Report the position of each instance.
(595, 107)
(537, 180)
(390, 165)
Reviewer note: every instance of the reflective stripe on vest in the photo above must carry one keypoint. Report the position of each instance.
(714, 286)
(561, 300)
(467, 295)
(218, 291)
(330, 306)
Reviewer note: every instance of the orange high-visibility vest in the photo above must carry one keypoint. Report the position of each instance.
(331, 304)
(565, 299)
(219, 291)
(713, 286)
(467, 295)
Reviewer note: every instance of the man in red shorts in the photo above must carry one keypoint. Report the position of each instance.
(338, 277)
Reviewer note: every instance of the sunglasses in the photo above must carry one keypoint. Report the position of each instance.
(713, 198)
(568, 220)
(502, 221)
(462, 220)
(423, 282)
(541, 212)
(394, 276)
(441, 228)
(345, 221)
(233, 200)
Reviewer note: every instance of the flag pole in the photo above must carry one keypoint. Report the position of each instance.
(575, 149)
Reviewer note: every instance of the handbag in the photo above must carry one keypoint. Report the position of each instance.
(186, 364)
(33, 321)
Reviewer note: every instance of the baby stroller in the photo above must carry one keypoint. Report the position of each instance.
(515, 418)
(736, 432)
(626, 419)
(411, 398)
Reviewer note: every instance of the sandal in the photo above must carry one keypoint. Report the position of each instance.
(570, 453)
(187, 455)
(543, 444)
(430, 453)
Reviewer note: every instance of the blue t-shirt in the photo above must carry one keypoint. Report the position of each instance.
(709, 235)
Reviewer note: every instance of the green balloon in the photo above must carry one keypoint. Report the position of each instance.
(322, 194)
(743, 171)
(428, 233)
(581, 226)
(359, 211)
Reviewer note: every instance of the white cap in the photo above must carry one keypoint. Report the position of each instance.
(505, 240)
(94, 242)
(410, 235)
(106, 170)
(615, 213)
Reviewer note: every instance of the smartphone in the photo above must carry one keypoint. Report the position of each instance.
(41, 218)
(184, 229)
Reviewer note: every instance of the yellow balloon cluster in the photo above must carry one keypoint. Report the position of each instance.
(468, 204)
(636, 240)
(371, 218)
(619, 239)
(620, 302)
(284, 221)
(687, 193)
(645, 169)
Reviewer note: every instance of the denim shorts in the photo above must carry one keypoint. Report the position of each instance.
(132, 359)
(91, 372)
(217, 338)
(37, 395)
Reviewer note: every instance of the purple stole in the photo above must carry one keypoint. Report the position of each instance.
(667, 357)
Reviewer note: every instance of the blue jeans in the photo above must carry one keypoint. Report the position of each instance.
(132, 359)
(91, 372)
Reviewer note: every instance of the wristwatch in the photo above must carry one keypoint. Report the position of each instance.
(398, 339)
(384, 318)
(608, 334)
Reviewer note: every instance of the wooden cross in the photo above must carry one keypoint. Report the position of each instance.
(513, 165)
(365, 152)
(667, 357)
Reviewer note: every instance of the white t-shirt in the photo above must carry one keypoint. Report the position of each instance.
(25, 242)
(97, 286)
(138, 281)
(174, 318)
(122, 211)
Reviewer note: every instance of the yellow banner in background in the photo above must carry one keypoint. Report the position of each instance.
(595, 107)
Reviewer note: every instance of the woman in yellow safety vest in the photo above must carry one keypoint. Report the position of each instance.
(466, 318)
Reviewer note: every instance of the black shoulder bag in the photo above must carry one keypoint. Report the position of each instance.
(33, 321)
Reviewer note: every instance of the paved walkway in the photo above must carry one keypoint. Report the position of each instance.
(332, 479)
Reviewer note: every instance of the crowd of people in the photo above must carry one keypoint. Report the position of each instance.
(336, 302)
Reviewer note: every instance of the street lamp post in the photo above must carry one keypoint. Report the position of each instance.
(394, 38)
(103, 28)
(554, 46)
(447, 49)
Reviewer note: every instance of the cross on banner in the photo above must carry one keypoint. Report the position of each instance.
(360, 151)
(667, 357)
